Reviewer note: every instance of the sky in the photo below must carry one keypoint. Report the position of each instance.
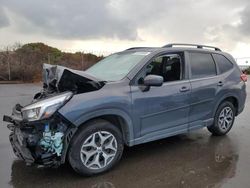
(106, 26)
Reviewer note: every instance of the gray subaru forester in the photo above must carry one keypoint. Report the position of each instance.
(128, 98)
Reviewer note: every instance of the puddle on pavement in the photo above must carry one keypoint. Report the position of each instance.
(192, 160)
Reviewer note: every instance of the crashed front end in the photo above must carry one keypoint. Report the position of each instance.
(43, 136)
(39, 133)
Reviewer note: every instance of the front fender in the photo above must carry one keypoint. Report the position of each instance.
(109, 111)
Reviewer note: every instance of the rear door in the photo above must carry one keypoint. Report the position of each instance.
(205, 84)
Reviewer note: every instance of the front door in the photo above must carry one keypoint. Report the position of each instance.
(162, 111)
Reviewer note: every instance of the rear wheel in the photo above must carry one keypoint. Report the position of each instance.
(96, 148)
(223, 120)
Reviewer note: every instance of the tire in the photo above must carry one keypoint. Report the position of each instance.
(222, 125)
(88, 156)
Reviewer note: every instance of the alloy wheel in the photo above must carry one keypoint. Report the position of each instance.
(98, 150)
(225, 119)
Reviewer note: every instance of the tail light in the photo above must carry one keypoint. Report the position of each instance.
(243, 77)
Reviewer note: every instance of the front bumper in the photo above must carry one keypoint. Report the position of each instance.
(22, 152)
(27, 140)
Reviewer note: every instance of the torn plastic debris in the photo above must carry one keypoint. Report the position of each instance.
(52, 141)
(60, 79)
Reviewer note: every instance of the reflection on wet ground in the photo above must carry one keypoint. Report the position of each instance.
(189, 160)
(195, 160)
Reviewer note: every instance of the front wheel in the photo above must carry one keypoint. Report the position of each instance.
(96, 148)
(223, 120)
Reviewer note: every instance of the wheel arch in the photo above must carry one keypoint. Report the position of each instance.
(231, 98)
(114, 116)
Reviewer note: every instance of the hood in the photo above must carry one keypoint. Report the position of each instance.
(59, 79)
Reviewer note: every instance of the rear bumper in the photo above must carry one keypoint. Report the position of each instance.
(240, 109)
(242, 99)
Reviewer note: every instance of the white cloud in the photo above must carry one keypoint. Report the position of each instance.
(113, 25)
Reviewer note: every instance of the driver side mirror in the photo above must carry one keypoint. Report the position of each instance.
(153, 80)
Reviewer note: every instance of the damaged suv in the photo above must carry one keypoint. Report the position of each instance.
(131, 97)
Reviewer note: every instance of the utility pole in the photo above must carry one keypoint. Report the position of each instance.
(8, 61)
(82, 60)
(48, 58)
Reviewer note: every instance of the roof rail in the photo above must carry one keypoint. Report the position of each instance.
(197, 45)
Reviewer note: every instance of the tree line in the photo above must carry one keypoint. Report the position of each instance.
(24, 62)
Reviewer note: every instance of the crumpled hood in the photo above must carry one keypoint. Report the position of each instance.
(58, 78)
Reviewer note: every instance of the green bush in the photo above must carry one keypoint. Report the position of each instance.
(25, 62)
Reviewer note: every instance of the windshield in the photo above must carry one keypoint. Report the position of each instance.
(115, 67)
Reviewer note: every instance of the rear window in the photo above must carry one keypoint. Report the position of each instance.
(202, 65)
(223, 63)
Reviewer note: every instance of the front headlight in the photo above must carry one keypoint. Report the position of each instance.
(45, 108)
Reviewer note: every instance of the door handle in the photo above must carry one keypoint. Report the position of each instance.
(184, 89)
(220, 83)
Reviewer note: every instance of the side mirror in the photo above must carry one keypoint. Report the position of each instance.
(153, 80)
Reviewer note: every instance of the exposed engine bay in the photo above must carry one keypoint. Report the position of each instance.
(39, 134)
(51, 142)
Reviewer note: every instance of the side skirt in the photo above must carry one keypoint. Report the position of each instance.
(171, 132)
(160, 134)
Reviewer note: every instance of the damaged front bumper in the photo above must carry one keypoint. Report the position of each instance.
(39, 134)
(43, 142)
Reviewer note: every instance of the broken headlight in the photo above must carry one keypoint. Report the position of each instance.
(45, 108)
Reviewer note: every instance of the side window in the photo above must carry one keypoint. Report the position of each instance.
(169, 66)
(223, 63)
(202, 65)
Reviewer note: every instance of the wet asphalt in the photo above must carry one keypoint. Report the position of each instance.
(196, 159)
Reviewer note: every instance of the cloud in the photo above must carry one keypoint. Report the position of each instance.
(244, 26)
(223, 23)
(70, 19)
(4, 21)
